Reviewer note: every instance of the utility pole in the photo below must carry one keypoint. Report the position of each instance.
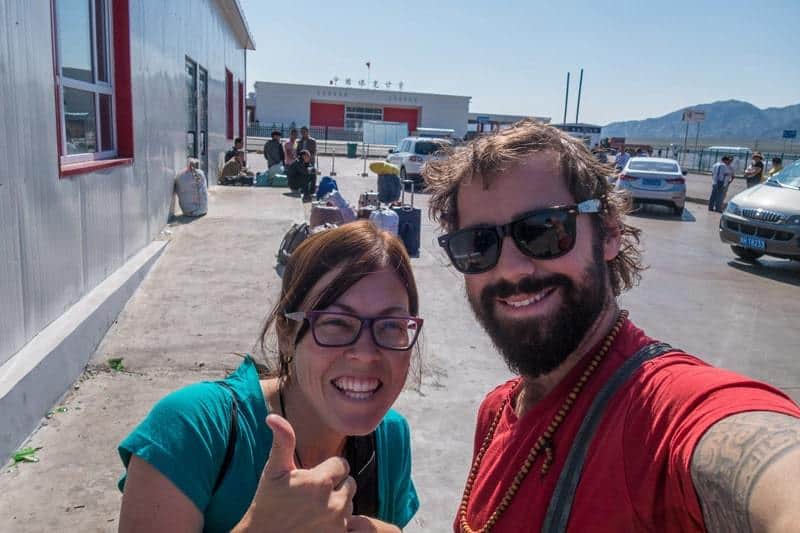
(580, 87)
(566, 101)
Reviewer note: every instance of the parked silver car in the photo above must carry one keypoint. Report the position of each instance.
(654, 180)
(765, 219)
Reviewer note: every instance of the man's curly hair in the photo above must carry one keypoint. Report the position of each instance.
(487, 157)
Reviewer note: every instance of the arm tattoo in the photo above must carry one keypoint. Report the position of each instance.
(731, 457)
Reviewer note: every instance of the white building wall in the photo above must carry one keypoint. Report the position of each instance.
(60, 237)
(284, 103)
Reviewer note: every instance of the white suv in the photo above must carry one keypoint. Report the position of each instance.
(412, 153)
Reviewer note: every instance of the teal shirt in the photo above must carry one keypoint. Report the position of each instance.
(186, 434)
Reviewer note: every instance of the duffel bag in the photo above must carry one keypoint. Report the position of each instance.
(325, 214)
(296, 235)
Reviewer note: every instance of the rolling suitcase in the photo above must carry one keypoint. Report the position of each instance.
(410, 224)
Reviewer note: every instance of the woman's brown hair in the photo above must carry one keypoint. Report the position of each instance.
(354, 250)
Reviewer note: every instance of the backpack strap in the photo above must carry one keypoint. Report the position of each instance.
(232, 435)
(561, 502)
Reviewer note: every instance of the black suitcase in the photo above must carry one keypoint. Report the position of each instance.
(410, 225)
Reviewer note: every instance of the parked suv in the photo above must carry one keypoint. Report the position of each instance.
(765, 219)
(412, 153)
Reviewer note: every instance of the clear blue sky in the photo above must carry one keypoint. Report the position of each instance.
(641, 59)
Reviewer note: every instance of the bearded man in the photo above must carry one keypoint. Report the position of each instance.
(605, 429)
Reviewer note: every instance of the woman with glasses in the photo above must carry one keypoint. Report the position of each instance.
(314, 445)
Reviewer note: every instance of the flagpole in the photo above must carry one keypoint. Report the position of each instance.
(369, 72)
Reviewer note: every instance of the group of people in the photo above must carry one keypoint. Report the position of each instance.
(603, 428)
(296, 157)
(722, 174)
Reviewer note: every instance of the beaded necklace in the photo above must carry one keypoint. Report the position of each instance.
(543, 444)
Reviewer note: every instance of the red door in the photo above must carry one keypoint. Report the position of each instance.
(324, 114)
(402, 114)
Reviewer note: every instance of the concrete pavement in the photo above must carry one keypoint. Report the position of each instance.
(205, 299)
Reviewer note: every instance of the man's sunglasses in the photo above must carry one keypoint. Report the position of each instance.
(541, 234)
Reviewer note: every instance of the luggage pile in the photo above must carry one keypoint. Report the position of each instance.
(331, 210)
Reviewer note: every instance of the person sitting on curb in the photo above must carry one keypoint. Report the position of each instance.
(237, 145)
(301, 177)
(312, 444)
(234, 170)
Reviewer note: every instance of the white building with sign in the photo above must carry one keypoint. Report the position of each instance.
(288, 104)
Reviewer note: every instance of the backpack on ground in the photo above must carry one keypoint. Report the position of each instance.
(296, 235)
(389, 187)
(385, 219)
(369, 198)
(326, 185)
(335, 198)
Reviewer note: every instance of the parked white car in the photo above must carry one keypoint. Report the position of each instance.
(654, 180)
(413, 152)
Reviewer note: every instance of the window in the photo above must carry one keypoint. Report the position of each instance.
(354, 116)
(197, 112)
(191, 108)
(654, 166)
(91, 55)
(228, 104)
(87, 88)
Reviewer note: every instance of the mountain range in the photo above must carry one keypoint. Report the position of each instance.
(729, 119)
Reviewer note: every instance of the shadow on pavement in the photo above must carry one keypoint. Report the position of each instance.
(781, 270)
(657, 212)
(180, 220)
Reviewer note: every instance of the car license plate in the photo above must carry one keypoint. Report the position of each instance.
(651, 183)
(752, 242)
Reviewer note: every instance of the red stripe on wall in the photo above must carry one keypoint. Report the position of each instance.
(402, 114)
(241, 111)
(228, 104)
(122, 78)
(324, 114)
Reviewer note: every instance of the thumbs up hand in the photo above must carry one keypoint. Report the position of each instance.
(292, 499)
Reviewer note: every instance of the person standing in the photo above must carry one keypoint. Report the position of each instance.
(657, 439)
(622, 159)
(290, 148)
(307, 142)
(755, 172)
(721, 177)
(777, 166)
(273, 151)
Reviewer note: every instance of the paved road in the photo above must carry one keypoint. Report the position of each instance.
(206, 296)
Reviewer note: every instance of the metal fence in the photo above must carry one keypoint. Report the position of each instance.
(326, 133)
(703, 159)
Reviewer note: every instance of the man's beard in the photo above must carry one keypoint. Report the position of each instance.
(537, 346)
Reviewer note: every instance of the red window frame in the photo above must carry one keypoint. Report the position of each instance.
(123, 99)
(228, 104)
(241, 110)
